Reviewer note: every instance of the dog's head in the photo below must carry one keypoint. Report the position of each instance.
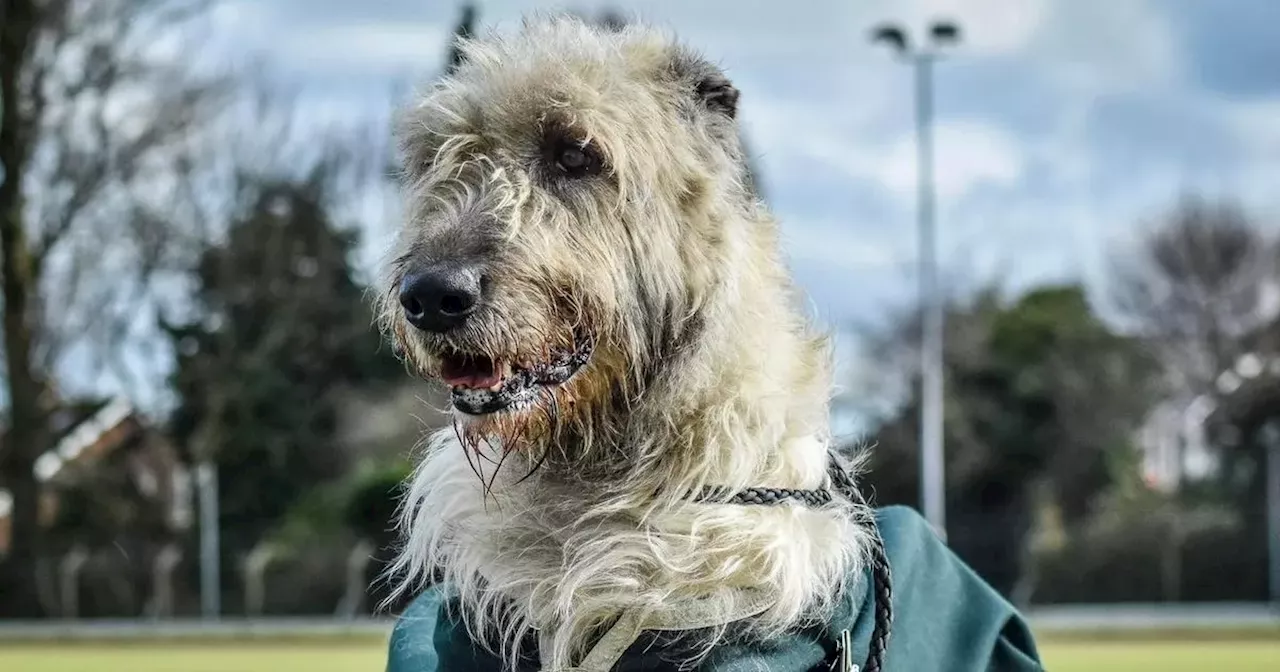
(568, 195)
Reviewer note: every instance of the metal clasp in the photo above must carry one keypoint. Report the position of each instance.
(844, 654)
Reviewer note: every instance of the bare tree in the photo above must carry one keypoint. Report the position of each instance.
(100, 123)
(1203, 284)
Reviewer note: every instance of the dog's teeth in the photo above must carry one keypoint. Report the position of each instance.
(504, 372)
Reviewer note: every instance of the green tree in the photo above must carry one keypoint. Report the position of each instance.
(1042, 400)
(281, 327)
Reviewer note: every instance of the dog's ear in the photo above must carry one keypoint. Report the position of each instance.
(719, 94)
(711, 86)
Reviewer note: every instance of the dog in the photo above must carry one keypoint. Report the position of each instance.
(584, 264)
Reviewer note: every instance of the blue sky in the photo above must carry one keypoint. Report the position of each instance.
(1063, 126)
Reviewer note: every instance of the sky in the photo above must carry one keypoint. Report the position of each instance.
(1063, 127)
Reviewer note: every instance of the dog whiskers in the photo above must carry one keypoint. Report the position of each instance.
(467, 445)
(552, 411)
(485, 454)
(497, 468)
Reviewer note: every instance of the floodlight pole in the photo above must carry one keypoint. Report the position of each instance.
(932, 475)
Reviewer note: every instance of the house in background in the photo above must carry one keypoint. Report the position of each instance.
(1173, 439)
(115, 497)
(1173, 443)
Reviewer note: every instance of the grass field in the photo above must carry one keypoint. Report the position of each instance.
(365, 656)
(231, 657)
(1161, 656)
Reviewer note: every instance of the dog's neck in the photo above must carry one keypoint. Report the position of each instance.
(566, 556)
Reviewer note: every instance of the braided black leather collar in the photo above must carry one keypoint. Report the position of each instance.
(765, 496)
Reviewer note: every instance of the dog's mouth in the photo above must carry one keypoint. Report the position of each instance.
(483, 385)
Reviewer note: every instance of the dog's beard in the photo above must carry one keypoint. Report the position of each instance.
(528, 429)
(504, 404)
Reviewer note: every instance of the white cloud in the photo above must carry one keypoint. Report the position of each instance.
(989, 27)
(968, 155)
(1091, 48)
(843, 245)
(1254, 123)
(311, 44)
(242, 23)
(374, 44)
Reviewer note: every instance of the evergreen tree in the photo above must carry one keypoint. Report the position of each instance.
(1042, 398)
(281, 327)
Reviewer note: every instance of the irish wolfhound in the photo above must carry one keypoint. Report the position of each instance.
(583, 265)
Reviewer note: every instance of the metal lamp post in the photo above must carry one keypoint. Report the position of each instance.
(932, 479)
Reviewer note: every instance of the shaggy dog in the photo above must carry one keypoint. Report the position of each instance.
(585, 267)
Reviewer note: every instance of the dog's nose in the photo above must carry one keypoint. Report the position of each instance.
(440, 298)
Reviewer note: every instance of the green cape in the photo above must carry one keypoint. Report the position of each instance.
(945, 619)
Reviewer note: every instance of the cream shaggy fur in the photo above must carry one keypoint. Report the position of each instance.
(704, 371)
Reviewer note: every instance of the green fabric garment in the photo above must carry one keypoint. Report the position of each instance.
(945, 618)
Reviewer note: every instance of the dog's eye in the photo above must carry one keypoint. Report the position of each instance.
(574, 159)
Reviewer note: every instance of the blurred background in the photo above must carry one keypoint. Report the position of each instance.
(1044, 232)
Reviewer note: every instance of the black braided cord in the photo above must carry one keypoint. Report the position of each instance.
(765, 496)
(881, 576)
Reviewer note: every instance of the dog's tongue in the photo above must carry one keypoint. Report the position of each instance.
(477, 373)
